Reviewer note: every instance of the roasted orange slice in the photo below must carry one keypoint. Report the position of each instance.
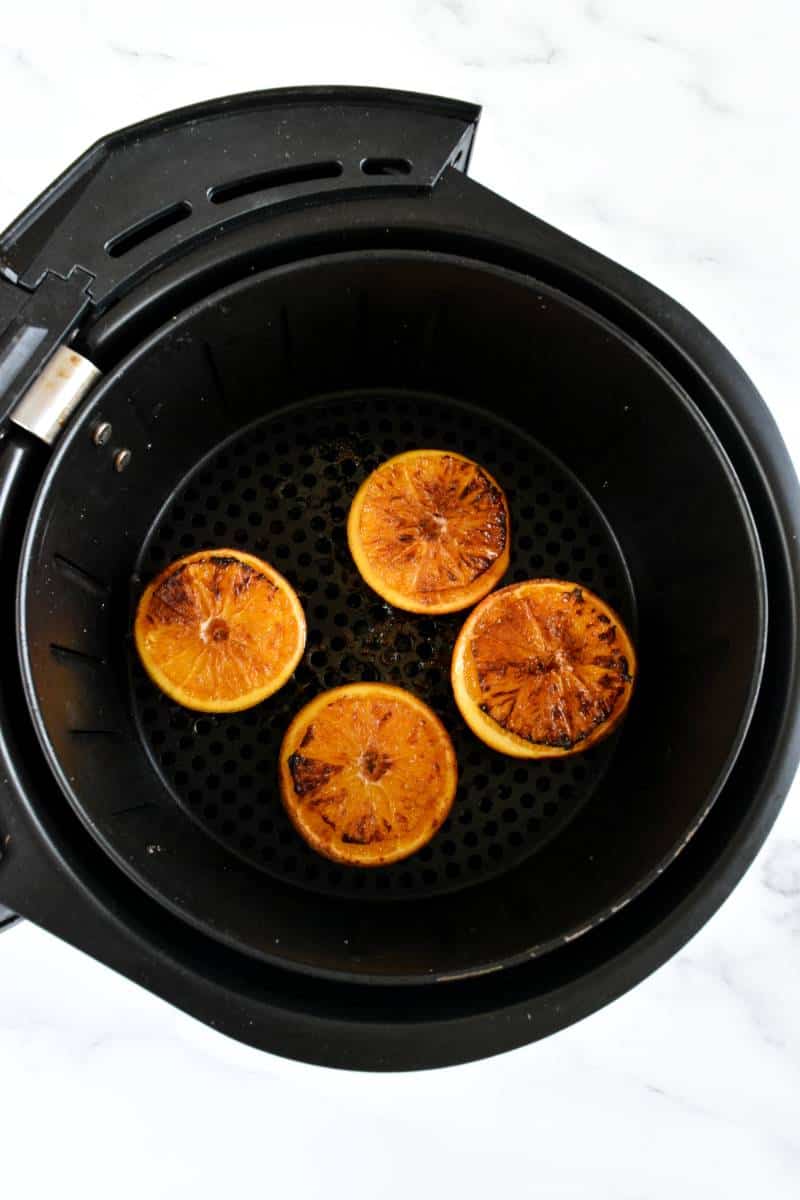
(543, 668)
(429, 531)
(367, 774)
(219, 630)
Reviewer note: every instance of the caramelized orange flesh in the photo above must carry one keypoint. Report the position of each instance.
(367, 774)
(543, 668)
(219, 631)
(429, 531)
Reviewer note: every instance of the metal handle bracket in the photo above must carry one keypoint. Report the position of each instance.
(55, 394)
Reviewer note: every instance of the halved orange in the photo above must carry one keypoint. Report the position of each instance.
(367, 774)
(542, 669)
(429, 531)
(219, 630)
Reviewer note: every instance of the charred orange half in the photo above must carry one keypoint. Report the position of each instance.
(219, 630)
(429, 531)
(367, 774)
(543, 668)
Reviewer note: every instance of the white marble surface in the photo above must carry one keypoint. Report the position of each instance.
(666, 136)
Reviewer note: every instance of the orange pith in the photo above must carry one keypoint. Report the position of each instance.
(367, 774)
(219, 630)
(542, 669)
(429, 531)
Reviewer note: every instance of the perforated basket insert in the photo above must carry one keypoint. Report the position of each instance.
(281, 489)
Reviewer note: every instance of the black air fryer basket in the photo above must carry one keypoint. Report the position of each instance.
(212, 327)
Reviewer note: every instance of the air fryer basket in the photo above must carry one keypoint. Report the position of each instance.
(264, 295)
(282, 487)
(174, 797)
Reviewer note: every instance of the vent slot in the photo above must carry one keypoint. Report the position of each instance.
(123, 243)
(223, 193)
(96, 735)
(386, 166)
(70, 657)
(81, 578)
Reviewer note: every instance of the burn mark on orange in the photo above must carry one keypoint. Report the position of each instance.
(309, 774)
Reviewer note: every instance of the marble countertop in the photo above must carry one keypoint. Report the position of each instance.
(666, 137)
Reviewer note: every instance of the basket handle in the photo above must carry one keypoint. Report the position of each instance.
(142, 195)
